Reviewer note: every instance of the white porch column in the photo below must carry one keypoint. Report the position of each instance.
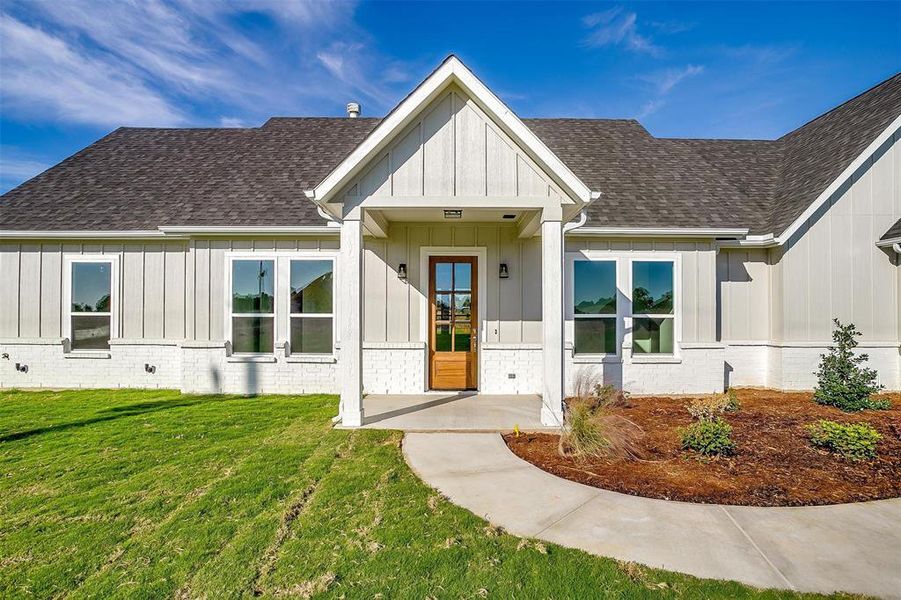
(552, 318)
(350, 260)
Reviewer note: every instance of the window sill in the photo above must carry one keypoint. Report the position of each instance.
(582, 359)
(238, 358)
(663, 359)
(311, 358)
(87, 354)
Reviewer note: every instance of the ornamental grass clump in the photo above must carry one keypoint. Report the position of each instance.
(853, 441)
(842, 380)
(591, 430)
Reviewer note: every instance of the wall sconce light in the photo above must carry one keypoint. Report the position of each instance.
(402, 271)
(148, 368)
(504, 272)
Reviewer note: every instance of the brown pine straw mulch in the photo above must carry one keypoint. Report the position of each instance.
(774, 463)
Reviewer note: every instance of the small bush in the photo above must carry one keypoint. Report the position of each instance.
(710, 408)
(854, 441)
(733, 404)
(842, 380)
(591, 430)
(709, 437)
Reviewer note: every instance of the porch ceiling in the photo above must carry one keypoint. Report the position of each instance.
(429, 215)
(377, 222)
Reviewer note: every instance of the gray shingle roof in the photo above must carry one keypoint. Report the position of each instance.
(893, 232)
(139, 179)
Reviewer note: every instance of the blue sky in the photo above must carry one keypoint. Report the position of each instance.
(73, 70)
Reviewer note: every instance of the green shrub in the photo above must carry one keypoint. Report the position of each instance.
(854, 441)
(709, 437)
(843, 381)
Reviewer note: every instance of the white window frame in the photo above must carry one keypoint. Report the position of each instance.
(630, 317)
(69, 261)
(332, 315)
(624, 316)
(282, 304)
(230, 303)
(571, 305)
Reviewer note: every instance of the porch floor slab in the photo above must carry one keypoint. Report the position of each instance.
(453, 411)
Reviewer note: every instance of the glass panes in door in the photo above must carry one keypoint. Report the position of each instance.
(453, 305)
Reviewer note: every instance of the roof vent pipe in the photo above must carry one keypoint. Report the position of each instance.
(353, 110)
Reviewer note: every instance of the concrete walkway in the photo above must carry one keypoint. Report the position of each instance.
(849, 547)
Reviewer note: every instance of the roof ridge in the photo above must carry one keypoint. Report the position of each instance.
(843, 104)
(589, 119)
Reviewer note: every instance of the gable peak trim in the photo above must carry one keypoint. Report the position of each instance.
(450, 71)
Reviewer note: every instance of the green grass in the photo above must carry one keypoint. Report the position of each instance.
(155, 494)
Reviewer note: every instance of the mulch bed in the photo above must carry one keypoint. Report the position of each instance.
(774, 463)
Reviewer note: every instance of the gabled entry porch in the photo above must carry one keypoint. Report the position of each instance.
(448, 195)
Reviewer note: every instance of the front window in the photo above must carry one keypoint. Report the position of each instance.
(91, 305)
(594, 307)
(653, 308)
(312, 303)
(253, 306)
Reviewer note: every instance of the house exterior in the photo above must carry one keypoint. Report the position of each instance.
(453, 245)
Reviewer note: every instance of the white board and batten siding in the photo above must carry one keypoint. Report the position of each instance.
(512, 309)
(453, 149)
(167, 290)
(151, 290)
(831, 268)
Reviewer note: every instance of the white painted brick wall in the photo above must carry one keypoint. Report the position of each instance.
(202, 367)
(799, 365)
(394, 368)
(609, 372)
(498, 361)
(748, 365)
(790, 366)
(701, 370)
(121, 367)
(206, 369)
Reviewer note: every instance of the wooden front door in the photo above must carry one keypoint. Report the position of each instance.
(453, 322)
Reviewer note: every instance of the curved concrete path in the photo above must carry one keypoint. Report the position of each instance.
(848, 547)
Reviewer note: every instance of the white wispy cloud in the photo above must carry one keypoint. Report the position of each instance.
(173, 62)
(232, 122)
(618, 27)
(349, 63)
(16, 166)
(672, 27)
(44, 75)
(649, 108)
(664, 81)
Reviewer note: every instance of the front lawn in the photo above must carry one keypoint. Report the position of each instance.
(154, 494)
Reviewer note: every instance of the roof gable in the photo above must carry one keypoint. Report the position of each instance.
(452, 149)
(451, 79)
